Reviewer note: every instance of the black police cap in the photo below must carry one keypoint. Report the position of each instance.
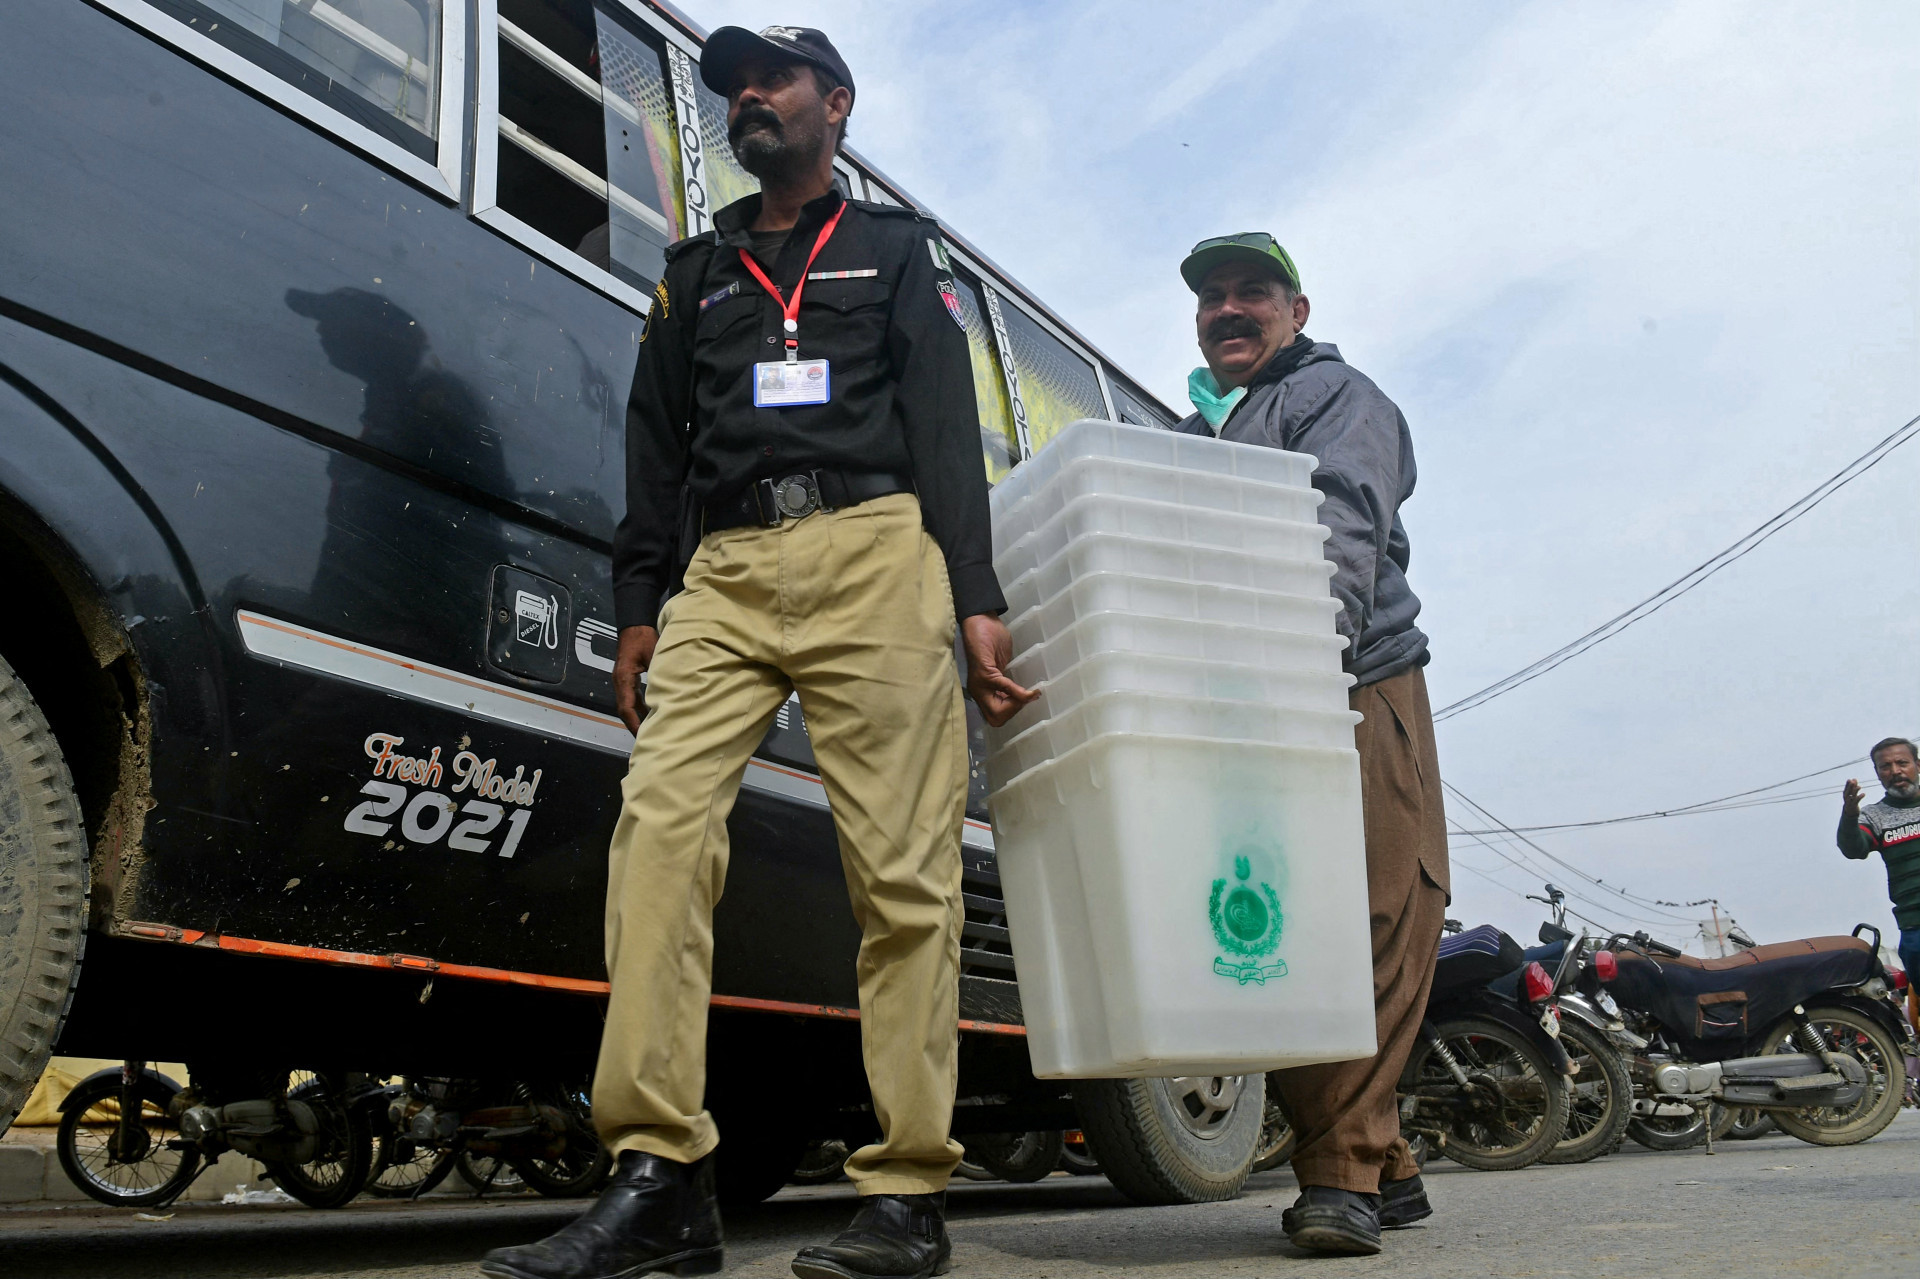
(728, 47)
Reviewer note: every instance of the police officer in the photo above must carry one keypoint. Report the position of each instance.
(805, 491)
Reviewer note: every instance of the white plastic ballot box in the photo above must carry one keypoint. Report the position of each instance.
(1177, 819)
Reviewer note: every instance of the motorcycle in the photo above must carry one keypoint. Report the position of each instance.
(118, 1141)
(542, 1132)
(1800, 1030)
(1595, 1038)
(1486, 1083)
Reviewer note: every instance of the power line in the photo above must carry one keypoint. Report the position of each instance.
(1723, 804)
(1606, 927)
(1644, 903)
(1536, 873)
(1691, 578)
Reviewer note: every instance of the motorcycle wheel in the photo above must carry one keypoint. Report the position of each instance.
(403, 1169)
(1602, 1097)
(1277, 1138)
(823, 1163)
(1075, 1157)
(339, 1169)
(155, 1173)
(488, 1175)
(583, 1164)
(1517, 1109)
(1862, 1038)
(1019, 1157)
(1680, 1132)
(1749, 1123)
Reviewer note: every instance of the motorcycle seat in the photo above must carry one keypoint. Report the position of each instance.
(1475, 957)
(1766, 954)
(1713, 1006)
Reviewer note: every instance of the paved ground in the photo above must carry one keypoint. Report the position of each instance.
(1767, 1207)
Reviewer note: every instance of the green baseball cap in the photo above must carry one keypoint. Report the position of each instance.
(1248, 246)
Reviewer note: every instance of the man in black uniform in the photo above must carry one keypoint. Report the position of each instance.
(802, 426)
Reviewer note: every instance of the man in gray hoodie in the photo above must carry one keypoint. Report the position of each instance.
(1266, 382)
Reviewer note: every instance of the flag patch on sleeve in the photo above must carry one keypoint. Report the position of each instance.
(951, 296)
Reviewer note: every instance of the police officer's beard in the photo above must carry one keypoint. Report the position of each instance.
(778, 151)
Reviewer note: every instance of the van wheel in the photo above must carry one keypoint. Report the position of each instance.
(1173, 1141)
(43, 892)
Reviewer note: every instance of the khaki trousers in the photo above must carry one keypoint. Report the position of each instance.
(851, 609)
(1344, 1114)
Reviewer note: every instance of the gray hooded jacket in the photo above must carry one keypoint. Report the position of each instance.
(1312, 401)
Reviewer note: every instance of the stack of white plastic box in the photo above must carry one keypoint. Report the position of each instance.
(1177, 818)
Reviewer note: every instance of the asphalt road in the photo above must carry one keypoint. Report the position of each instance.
(1769, 1207)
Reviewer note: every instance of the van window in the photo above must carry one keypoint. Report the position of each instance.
(1057, 386)
(374, 61)
(999, 442)
(587, 150)
(1131, 404)
(726, 180)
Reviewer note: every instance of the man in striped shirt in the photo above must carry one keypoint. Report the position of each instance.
(1891, 827)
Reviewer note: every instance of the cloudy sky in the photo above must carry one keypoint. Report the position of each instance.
(1639, 276)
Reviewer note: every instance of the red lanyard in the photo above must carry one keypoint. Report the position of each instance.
(791, 309)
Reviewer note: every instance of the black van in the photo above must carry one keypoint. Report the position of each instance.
(316, 325)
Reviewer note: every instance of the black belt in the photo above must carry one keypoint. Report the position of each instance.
(768, 503)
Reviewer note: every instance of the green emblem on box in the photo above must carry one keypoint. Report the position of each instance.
(1246, 922)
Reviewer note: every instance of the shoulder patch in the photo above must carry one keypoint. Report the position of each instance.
(938, 248)
(951, 296)
(658, 311)
(886, 210)
(679, 247)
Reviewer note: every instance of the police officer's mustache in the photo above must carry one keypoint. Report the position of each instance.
(750, 117)
(1228, 327)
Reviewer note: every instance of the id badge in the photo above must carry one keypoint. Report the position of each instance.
(778, 384)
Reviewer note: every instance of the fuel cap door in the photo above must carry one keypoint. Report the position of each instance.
(528, 625)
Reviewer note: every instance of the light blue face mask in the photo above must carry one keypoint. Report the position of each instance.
(1206, 397)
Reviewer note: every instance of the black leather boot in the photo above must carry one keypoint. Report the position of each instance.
(1403, 1202)
(656, 1217)
(892, 1237)
(1325, 1219)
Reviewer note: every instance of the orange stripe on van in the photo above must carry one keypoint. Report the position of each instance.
(472, 972)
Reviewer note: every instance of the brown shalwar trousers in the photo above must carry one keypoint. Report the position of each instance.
(851, 609)
(1344, 1113)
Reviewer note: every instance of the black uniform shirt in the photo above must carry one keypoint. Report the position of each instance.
(902, 390)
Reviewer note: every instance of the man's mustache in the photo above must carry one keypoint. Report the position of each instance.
(750, 117)
(1228, 327)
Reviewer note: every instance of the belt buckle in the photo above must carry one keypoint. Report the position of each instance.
(795, 496)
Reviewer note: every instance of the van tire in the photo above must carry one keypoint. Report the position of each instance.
(1154, 1156)
(43, 892)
